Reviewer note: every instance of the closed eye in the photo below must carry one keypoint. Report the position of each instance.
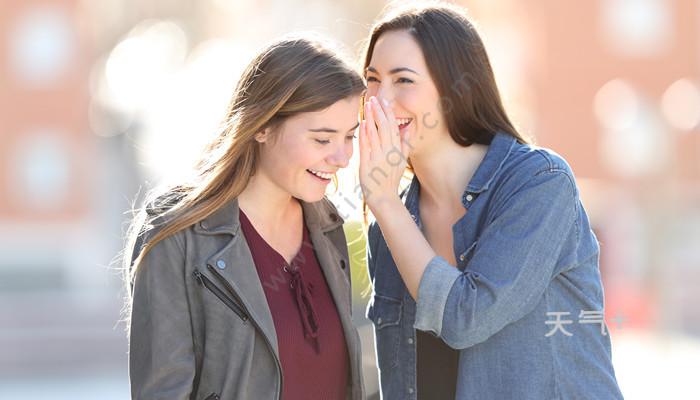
(322, 141)
(404, 80)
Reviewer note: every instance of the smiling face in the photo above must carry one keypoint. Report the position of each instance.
(397, 72)
(300, 158)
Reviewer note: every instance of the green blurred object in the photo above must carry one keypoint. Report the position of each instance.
(355, 234)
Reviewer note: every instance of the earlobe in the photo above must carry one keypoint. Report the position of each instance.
(262, 136)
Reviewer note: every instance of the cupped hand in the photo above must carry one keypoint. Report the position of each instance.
(383, 154)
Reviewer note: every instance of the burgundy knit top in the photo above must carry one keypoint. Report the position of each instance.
(312, 347)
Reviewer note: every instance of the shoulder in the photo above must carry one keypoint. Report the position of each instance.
(153, 216)
(528, 163)
(536, 159)
(156, 212)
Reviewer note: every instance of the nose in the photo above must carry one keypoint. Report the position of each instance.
(340, 154)
(382, 91)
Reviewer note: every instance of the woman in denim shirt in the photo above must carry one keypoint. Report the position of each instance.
(485, 280)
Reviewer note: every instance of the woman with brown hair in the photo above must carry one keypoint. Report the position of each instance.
(239, 279)
(489, 244)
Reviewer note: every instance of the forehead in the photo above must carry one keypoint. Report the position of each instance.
(397, 49)
(340, 116)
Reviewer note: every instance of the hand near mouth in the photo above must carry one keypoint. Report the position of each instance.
(383, 154)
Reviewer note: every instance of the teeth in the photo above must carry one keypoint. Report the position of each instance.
(321, 174)
(403, 121)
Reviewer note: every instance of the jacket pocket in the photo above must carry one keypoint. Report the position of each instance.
(202, 280)
(385, 314)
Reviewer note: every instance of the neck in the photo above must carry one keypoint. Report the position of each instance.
(269, 206)
(445, 172)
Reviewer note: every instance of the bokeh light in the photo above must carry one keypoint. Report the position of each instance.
(680, 104)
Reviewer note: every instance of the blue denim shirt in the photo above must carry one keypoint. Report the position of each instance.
(524, 305)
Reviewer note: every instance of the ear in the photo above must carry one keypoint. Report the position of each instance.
(262, 136)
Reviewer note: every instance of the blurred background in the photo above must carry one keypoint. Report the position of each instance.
(102, 99)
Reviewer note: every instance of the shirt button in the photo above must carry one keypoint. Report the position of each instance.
(204, 225)
(221, 264)
(410, 340)
(410, 390)
(462, 257)
(379, 321)
(334, 217)
(469, 197)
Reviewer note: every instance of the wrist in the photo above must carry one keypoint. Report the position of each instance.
(384, 205)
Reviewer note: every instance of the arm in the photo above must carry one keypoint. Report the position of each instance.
(383, 156)
(408, 247)
(161, 354)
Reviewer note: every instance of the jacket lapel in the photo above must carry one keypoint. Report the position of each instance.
(319, 220)
(235, 264)
(322, 219)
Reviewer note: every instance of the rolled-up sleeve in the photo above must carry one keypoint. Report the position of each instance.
(161, 354)
(511, 265)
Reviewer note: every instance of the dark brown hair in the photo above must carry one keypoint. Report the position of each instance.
(459, 66)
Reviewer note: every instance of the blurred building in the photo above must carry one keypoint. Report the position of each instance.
(62, 189)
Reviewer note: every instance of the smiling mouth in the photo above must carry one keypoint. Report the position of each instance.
(322, 175)
(403, 122)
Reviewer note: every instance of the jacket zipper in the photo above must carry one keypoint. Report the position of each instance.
(252, 320)
(207, 283)
(212, 396)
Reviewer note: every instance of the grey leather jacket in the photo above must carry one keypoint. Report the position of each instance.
(200, 325)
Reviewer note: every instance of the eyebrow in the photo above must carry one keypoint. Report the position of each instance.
(393, 71)
(331, 130)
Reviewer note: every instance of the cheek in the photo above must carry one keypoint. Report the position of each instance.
(349, 148)
(412, 101)
(306, 157)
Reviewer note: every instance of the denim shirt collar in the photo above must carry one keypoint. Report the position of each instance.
(499, 149)
(497, 154)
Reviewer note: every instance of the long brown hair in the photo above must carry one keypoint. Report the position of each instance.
(459, 66)
(288, 77)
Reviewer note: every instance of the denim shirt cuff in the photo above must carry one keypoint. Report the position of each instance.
(435, 286)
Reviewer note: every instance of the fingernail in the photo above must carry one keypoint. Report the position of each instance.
(374, 100)
(385, 102)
